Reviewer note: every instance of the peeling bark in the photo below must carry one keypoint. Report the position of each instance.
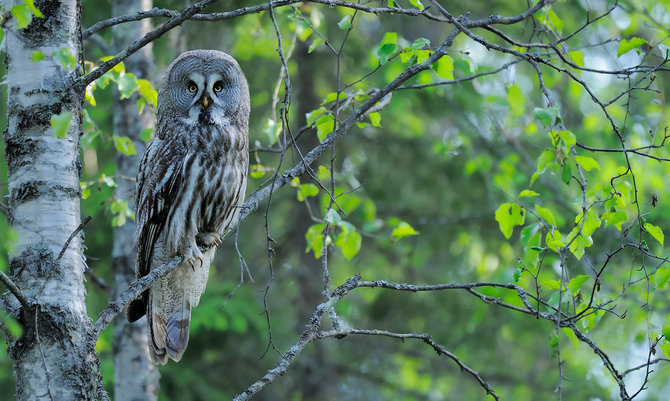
(54, 359)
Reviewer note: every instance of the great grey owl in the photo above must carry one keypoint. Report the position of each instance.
(190, 186)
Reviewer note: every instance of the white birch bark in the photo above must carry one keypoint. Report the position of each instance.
(135, 376)
(54, 359)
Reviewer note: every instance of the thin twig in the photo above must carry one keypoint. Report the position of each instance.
(440, 349)
(16, 291)
(74, 233)
(165, 13)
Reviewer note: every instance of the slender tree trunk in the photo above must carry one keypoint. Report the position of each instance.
(54, 359)
(135, 376)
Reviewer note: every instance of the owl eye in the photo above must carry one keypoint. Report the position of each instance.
(192, 87)
(218, 86)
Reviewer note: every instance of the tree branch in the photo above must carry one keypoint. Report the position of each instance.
(16, 291)
(185, 14)
(309, 334)
(165, 13)
(133, 292)
(440, 349)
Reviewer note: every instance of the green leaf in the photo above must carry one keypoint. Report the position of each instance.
(332, 217)
(124, 145)
(579, 244)
(555, 21)
(324, 126)
(314, 238)
(554, 240)
(317, 41)
(417, 4)
(349, 240)
(655, 232)
(615, 219)
(575, 284)
(127, 84)
(566, 174)
(345, 23)
(147, 91)
(375, 119)
(37, 56)
(590, 225)
(60, 124)
(146, 134)
(509, 215)
(387, 47)
(65, 58)
(527, 193)
(445, 67)
(350, 243)
(546, 215)
(516, 101)
(529, 235)
(577, 57)
(546, 115)
(402, 230)
(36, 11)
(420, 43)
(627, 45)
(661, 277)
(587, 163)
(85, 191)
(22, 14)
(666, 332)
(307, 190)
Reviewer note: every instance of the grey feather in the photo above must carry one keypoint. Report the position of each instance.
(191, 182)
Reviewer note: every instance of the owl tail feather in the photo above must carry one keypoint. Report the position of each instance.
(169, 335)
(137, 308)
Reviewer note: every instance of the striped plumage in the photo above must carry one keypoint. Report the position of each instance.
(190, 186)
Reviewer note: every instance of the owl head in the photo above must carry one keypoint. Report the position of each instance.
(204, 87)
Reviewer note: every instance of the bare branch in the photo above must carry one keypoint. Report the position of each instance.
(74, 233)
(15, 290)
(309, 334)
(440, 349)
(133, 292)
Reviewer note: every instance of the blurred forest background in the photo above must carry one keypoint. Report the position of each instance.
(454, 180)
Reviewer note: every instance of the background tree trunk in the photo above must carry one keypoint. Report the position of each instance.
(135, 376)
(54, 359)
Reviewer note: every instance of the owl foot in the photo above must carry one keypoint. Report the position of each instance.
(193, 256)
(208, 239)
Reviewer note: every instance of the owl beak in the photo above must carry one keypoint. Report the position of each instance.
(206, 101)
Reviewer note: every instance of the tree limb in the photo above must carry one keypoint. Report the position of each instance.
(133, 292)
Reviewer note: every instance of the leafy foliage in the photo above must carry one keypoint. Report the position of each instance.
(543, 166)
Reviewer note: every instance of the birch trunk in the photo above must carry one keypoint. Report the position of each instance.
(135, 376)
(55, 358)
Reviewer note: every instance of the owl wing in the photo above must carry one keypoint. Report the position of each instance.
(158, 181)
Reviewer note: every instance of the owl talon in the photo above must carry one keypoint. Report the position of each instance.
(208, 239)
(193, 254)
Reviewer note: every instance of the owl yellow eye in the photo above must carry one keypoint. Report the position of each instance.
(218, 86)
(192, 87)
